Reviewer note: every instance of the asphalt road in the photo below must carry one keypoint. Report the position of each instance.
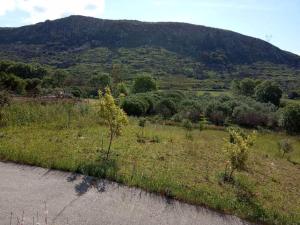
(78, 200)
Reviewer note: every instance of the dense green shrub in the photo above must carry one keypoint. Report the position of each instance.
(291, 118)
(191, 110)
(176, 96)
(220, 110)
(142, 103)
(244, 87)
(59, 78)
(152, 99)
(22, 70)
(101, 81)
(165, 108)
(12, 83)
(122, 89)
(4, 99)
(33, 86)
(76, 92)
(254, 114)
(135, 106)
(245, 115)
(268, 91)
(217, 112)
(144, 83)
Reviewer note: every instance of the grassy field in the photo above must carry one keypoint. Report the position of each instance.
(70, 137)
(297, 101)
(215, 93)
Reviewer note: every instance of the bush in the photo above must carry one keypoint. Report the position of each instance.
(245, 115)
(144, 83)
(237, 150)
(142, 103)
(122, 89)
(176, 96)
(187, 125)
(291, 118)
(152, 99)
(101, 81)
(33, 86)
(191, 110)
(4, 99)
(135, 106)
(165, 108)
(244, 87)
(76, 92)
(217, 112)
(249, 113)
(268, 91)
(12, 83)
(285, 146)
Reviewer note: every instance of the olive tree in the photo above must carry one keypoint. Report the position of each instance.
(268, 91)
(144, 83)
(291, 118)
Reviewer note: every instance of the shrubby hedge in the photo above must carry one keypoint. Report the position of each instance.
(135, 106)
(150, 103)
(221, 110)
(255, 115)
(166, 108)
(291, 118)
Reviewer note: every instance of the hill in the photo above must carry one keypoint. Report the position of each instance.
(85, 46)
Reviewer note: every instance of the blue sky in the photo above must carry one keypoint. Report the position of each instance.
(277, 21)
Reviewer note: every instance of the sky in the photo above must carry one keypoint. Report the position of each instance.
(275, 21)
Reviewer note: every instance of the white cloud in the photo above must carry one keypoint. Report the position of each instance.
(41, 10)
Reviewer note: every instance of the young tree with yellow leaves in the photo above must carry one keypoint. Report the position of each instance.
(113, 116)
(237, 149)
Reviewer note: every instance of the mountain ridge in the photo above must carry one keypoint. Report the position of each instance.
(205, 44)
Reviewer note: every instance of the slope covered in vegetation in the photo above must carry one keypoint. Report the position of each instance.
(183, 164)
(85, 46)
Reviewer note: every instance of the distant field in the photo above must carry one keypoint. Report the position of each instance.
(180, 82)
(215, 93)
(292, 101)
(69, 137)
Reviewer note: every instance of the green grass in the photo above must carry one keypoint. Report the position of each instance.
(294, 101)
(69, 137)
(215, 93)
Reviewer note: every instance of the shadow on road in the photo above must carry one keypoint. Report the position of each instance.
(100, 169)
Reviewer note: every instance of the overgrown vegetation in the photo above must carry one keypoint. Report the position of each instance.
(171, 78)
(180, 56)
(291, 118)
(67, 135)
(223, 110)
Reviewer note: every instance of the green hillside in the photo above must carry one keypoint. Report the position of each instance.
(208, 57)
